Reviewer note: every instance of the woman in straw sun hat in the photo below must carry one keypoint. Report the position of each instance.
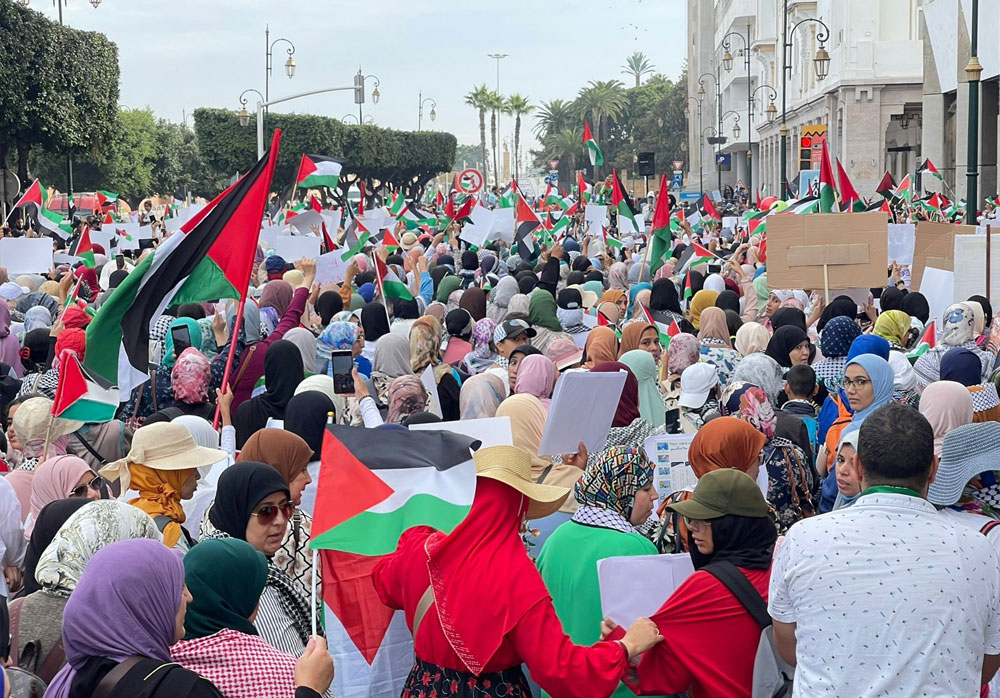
(476, 603)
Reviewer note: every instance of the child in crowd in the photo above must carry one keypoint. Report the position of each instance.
(848, 472)
(800, 389)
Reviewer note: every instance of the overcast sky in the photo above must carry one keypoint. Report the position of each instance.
(177, 55)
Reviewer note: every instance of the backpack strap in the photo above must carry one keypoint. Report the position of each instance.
(53, 662)
(423, 605)
(244, 365)
(90, 448)
(742, 589)
(162, 521)
(113, 677)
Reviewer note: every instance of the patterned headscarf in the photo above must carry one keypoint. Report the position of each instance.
(336, 337)
(481, 396)
(837, 336)
(190, 377)
(959, 325)
(760, 370)
(407, 395)
(611, 482)
(683, 351)
(482, 335)
(750, 403)
(425, 345)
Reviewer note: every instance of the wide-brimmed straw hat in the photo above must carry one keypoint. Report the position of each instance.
(31, 422)
(162, 446)
(512, 466)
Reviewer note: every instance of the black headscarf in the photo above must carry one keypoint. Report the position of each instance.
(788, 316)
(987, 308)
(305, 416)
(420, 418)
(728, 300)
(117, 276)
(328, 304)
(839, 306)
(744, 541)
(242, 486)
(915, 305)
(525, 350)
(438, 273)
(783, 341)
(195, 311)
(663, 296)
(50, 519)
(891, 299)
(458, 323)
(697, 281)
(283, 372)
(581, 263)
(734, 321)
(374, 321)
(678, 251)
(405, 310)
(526, 284)
(37, 343)
(470, 260)
(575, 278)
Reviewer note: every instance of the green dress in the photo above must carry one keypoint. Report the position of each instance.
(568, 564)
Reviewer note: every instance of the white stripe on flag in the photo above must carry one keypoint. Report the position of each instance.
(456, 485)
(385, 677)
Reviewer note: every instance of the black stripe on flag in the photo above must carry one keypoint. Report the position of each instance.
(396, 449)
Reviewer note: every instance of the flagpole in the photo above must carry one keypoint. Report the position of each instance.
(381, 289)
(312, 608)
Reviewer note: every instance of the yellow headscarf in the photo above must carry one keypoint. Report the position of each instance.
(160, 495)
(703, 299)
(893, 325)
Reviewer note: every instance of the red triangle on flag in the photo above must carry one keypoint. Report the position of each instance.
(350, 593)
(674, 329)
(710, 209)
(602, 320)
(107, 219)
(306, 168)
(315, 204)
(72, 383)
(389, 240)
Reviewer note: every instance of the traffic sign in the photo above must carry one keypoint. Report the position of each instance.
(678, 164)
(470, 181)
(690, 196)
(554, 164)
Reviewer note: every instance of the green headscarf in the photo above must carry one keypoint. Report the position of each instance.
(760, 288)
(643, 367)
(226, 578)
(168, 344)
(542, 311)
(448, 285)
(357, 302)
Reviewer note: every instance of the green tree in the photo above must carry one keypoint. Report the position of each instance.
(567, 146)
(552, 117)
(469, 156)
(494, 104)
(637, 65)
(478, 99)
(517, 106)
(601, 100)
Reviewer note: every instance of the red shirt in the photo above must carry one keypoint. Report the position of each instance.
(710, 642)
(561, 668)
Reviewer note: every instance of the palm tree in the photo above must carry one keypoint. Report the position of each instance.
(553, 117)
(566, 146)
(637, 65)
(494, 104)
(477, 99)
(599, 100)
(517, 106)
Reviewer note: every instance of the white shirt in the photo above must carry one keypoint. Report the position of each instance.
(12, 541)
(975, 522)
(890, 599)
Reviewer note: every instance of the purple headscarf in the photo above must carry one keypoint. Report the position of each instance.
(9, 346)
(137, 585)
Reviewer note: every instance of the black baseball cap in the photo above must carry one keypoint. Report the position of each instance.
(509, 329)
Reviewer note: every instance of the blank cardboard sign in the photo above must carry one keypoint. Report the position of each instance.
(934, 246)
(852, 245)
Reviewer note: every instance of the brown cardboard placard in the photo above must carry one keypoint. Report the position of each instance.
(934, 246)
(852, 245)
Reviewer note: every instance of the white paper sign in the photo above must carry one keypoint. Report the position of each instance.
(901, 240)
(636, 586)
(492, 431)
(503, 225)
(376, 220)
(295, 247)
(332, 220)
(121, 240)
(269, 235)
(26, 255)
(145, 232)
(594, 212)
(671, 468)
(330, 268)
(99, 237)
(304, 222)
(730, 222)
(434, 404)
(970, 258)
(938, 287)
(475, 235)
(568, 425)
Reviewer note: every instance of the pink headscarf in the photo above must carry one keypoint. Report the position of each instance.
(682, 353)
(190, 376)
(54, 479)
(713, 325)
(536, 375)
(9, 346)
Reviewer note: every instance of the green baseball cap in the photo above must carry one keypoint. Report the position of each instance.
(722, 492)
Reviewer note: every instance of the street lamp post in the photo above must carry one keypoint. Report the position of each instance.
(718, 110)
(727, 63)
(821, 63)
(701, 147)
(244, 117)
(359, 92)
(269, 62)
(420, 111)
(770, 112)
(350, 118)
(498, 57)
(973, 71)
(736, 136)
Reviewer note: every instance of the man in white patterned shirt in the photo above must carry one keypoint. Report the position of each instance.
(888, 598)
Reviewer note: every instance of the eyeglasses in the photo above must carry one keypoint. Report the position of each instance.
(81, 491)
(697, 524)
(857, 383)
(269, 512)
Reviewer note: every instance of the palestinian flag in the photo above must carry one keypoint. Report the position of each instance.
(688, 292)
(610, 241)
(108, 219)
(927, 341)
(660, 237)
(620, 202)
(709, 208)
(667, 332)
(106, 201)
(827, 186)
(596, 156)
(929, 169)
(508, 197)
(355, 238)
(318, 171)
(398, 205)
(83, 248)
(525, 222)
(584, 189)
(554, 198)
(211, 259)
(933, 205)
(809, 204)
(695, 255)
(886, 186)
(904, 191)
(369, 492)
(327, 240)
(848, 194)
(81, 394)
(439, 200)
(389, 240)
(389, 284)
(35, 200)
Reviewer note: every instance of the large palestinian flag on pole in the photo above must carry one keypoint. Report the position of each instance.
(827, 185)
(82, 395)
(210, 258)
(369, 492)
(596, 156)
(661, 238)
(318, 171)
(620, 202)
(83, 248)
(525, 222)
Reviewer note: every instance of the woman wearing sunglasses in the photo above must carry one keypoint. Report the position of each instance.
(253, 503)
(61, 477)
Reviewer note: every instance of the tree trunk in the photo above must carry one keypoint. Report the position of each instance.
(517, 145)
(493, 141)
(482, 139)
(637, 76)
(22, 164)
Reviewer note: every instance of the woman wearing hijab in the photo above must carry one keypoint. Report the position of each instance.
(59, 478)
(789, 346)
(518, 355)
(58, 571)
(947, 405)
(490, 611)
(638, 298)
(306, 417)
(500, 298)
(543, 316)
(916, 305)
(253, 503)
(447, 286)
(642, 336)
(618, 298)
(425, 350)
(651, 405)
(792, 482)
(726, 442)
(962, 366)
(282, 373)
(835, 342)
(290, 455)
(375, 323)
(49, 520)
(894, 327)
(628, 428)
(483, 354)
(601, 346)
(341, 335)
(664, 304)
(751, 338)
(10, 348)
(615, 496)
(618, 276)
(305, 340)
(474, 301)
(729, 300)
(958, 331)
(536, 375)
(190, 382)
(392, 360)
(701, 300)
(715, 345)
(481, 396)
(277, 294)
(730, 532)
(328, 304)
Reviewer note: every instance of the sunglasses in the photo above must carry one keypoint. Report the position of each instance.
(81, 491)
(269, 512)
(697, 524)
